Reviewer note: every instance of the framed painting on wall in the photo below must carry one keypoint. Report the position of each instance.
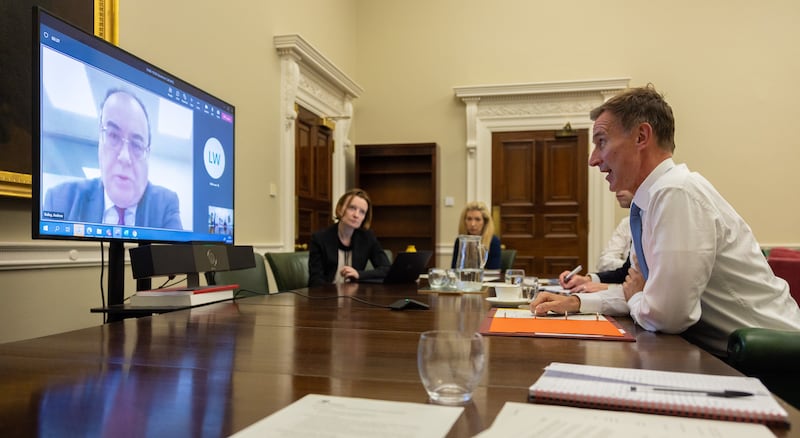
(16, 103)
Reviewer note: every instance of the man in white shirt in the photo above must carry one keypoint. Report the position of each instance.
(615, 259)
(616, 250)
(701, 269)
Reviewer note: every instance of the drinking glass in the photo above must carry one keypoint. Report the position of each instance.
(515, 276)
(452, 279)
(450, 364)
(530, 287)
(437, 278)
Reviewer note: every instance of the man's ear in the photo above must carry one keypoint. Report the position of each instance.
(644, 134)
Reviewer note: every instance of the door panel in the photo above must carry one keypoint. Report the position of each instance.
(539, 186)
(313, 173)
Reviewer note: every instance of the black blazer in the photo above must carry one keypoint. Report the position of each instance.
(617, 276)
(323, 256)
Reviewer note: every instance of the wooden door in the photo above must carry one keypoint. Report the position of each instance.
(539, 194)
(313, 176)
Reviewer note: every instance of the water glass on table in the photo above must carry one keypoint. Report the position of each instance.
(530, 288)
(437, 278)
(450, 365)
(515, 276)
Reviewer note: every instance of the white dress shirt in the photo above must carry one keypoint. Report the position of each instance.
(617, 249)
(707, 275)
(111, 216)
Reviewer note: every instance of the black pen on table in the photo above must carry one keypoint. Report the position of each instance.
(572, 272)
(727, 393)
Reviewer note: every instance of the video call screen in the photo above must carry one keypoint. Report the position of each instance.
(125, 150)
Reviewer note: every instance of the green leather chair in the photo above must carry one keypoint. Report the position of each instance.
(388, 254)
(251, 281)
(770, 355)
(507, 257)
(290, 269)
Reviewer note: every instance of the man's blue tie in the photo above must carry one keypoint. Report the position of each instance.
(636, 231)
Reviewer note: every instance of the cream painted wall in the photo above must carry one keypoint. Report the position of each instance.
(227, 49)
(729, 69)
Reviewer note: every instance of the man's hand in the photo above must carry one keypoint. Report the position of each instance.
(634, 282)
(574, 281)
(547, 301)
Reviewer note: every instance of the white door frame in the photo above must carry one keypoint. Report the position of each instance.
(531, 107)
(309, 79)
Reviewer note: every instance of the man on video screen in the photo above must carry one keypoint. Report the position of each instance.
(123, 194)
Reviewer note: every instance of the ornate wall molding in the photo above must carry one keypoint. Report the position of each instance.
(536, 106)
(308, 78)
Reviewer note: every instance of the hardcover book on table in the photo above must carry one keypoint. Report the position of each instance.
(183, 297)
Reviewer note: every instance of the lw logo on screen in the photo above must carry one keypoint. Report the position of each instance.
(214, 158)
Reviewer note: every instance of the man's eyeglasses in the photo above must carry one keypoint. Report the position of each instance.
(113, 139)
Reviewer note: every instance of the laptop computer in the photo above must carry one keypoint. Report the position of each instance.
(405, 269)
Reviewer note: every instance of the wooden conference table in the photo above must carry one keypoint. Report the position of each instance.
(214, 370)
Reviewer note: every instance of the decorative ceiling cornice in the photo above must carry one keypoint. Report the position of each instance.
(294, 45)
(561, 87)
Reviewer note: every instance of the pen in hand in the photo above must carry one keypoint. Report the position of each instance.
(572, 272)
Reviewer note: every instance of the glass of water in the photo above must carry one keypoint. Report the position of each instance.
(452, 279)
(530, 287)
(515, 276)
(437, 278)
(450, 364)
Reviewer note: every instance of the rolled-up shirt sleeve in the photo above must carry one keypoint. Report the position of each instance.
(607, 302)
(679, 241)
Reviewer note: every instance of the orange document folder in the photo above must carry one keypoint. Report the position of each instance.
(580, 326)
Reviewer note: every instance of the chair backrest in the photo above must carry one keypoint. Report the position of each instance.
(290, 269)
(785, 263)
(388, 254)
(249, 280)
(784, 253)
(507, 257)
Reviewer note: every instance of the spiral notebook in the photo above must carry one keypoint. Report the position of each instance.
(731, 398)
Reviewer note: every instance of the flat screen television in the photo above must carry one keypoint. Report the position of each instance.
(124, 151)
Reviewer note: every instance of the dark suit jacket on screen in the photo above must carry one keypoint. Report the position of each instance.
(84, 201)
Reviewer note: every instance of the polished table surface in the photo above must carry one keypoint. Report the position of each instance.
(216, 369)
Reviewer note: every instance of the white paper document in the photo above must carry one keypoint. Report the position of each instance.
(556, 289)
(526, 314)
(521, 420)
(334, 417)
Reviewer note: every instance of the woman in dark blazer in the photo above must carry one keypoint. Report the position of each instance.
(340, 252)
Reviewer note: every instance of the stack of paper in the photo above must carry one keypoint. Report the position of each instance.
(541, 421)
(345, 417)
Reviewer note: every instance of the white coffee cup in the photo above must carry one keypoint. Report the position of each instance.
(507, 291)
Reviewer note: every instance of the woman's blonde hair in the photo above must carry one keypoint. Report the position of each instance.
(488, 225)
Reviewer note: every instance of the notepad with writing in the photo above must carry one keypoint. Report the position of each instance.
(658, 392)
